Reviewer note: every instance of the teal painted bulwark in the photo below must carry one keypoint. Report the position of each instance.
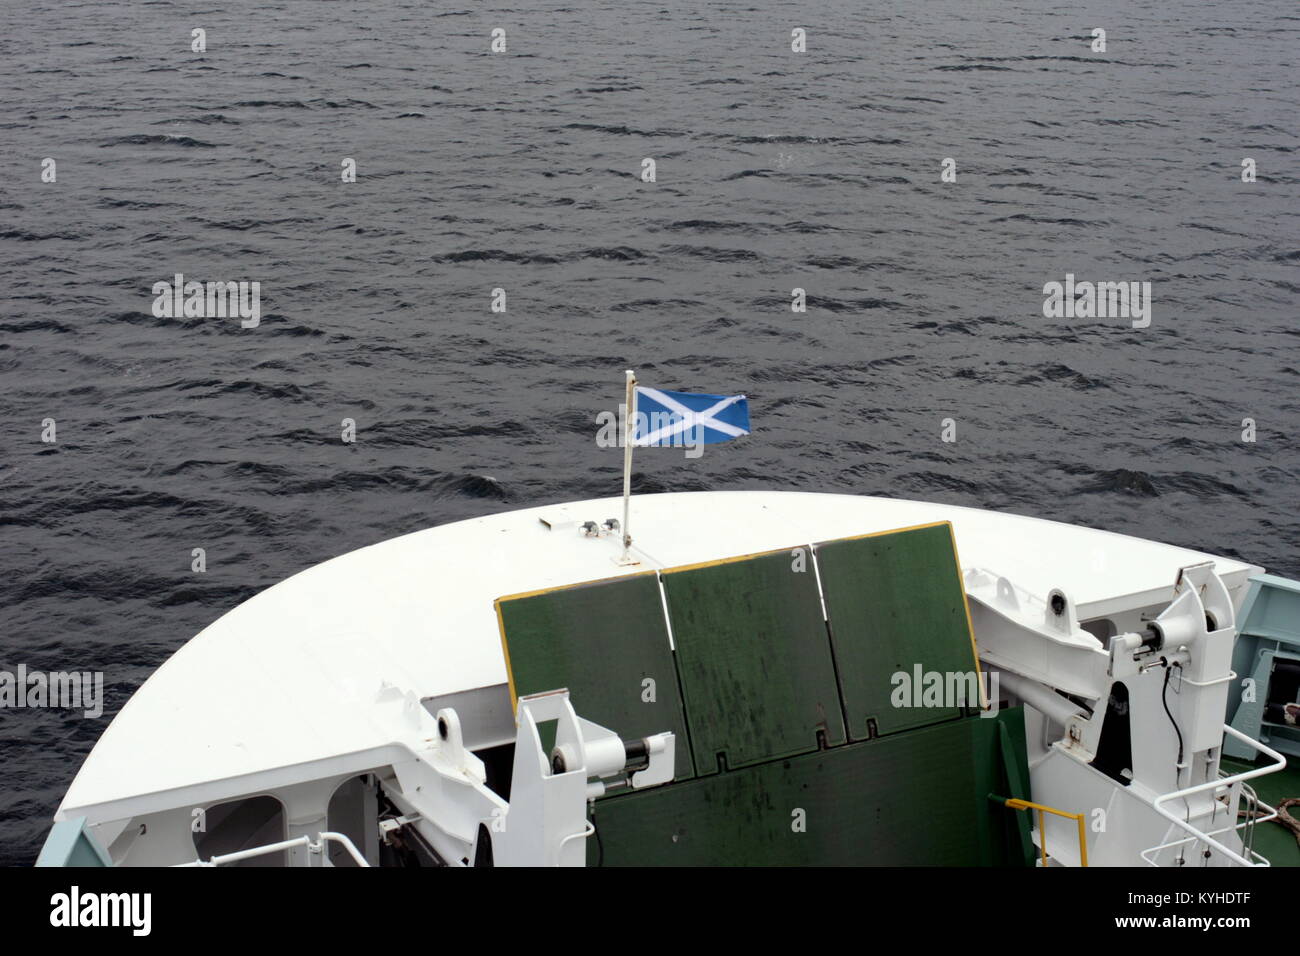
(1267, 653)
(70, 844)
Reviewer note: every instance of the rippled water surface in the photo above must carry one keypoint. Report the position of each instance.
(521, 171)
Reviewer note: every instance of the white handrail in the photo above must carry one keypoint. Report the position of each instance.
(1278, 764)
(1263, 861)
(314, 846)
(347, 844)
(585, 832)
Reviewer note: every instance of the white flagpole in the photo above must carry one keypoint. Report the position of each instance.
(629, 426)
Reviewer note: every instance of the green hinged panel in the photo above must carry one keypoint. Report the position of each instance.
(601, 641)
(895, 601)
(754, 657)
(920, 797)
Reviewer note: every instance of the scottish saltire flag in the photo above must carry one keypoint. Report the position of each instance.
(684, 418)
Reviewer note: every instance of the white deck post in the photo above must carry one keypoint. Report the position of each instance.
(629, 428)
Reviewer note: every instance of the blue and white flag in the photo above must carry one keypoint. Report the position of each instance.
(684, 418)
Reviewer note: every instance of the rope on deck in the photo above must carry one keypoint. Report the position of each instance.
(1283, 819)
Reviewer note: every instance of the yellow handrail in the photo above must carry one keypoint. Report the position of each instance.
(1017, 804)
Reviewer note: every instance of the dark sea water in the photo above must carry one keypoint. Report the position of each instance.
(521, 171)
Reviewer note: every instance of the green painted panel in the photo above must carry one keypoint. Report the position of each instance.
(1015, 767)
(895, 602)
(754, 657)
(601, 641)
(919, 797)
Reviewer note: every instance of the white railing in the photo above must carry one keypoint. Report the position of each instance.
(1231, 782)
(314, 846)
(1261, 860)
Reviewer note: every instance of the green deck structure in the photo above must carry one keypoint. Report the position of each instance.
(917, 798)
(602, 641)
(894, 600)
(750, 632)
(790, 750)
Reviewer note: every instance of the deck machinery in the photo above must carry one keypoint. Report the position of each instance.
(781, 696)
(776, 678)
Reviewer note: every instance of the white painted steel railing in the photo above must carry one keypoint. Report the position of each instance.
(315, 846)
(1233, 784)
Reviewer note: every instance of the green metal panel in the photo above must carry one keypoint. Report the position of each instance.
(1013, 751)
(602, 641)
(895, 601)
(754, 656)
(919, 797)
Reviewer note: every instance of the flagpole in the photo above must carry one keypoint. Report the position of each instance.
(629, 428)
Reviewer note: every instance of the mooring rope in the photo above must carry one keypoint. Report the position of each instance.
(1283, 818)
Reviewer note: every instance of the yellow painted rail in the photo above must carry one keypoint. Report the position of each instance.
(1017, 804)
